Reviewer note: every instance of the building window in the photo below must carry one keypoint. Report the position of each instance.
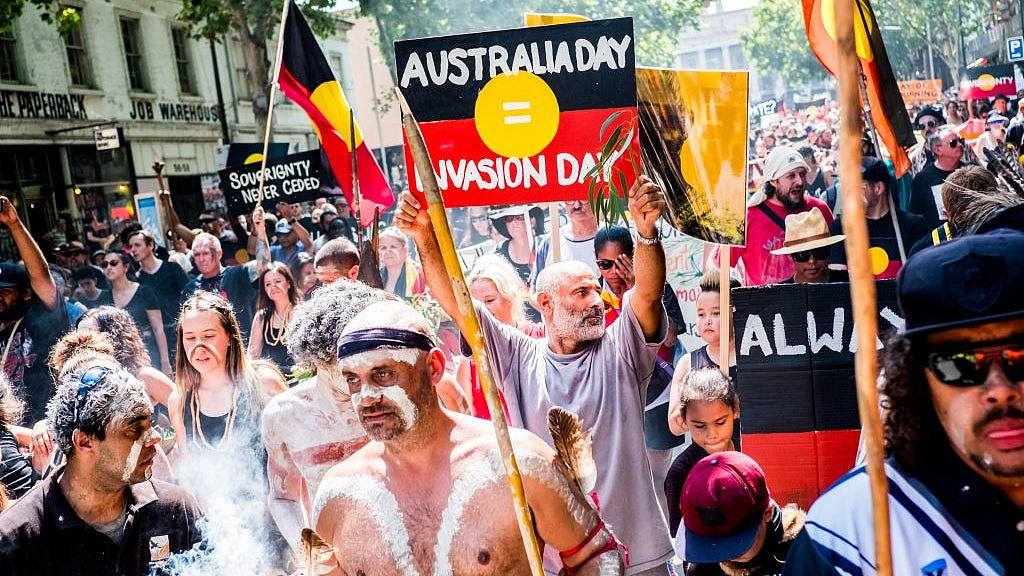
(736, 59)
(78, 58)
(179, 37)
(241, 71)
(131, 40)
(8, 57)
(713, 59)
(689, 60)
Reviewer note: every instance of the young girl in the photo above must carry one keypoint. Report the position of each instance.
(708, 408)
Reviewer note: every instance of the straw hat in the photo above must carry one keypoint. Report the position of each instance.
(806, 231)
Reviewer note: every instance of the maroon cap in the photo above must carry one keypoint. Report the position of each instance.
(723, 503)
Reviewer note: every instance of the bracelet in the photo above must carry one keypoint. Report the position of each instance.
(648, 241)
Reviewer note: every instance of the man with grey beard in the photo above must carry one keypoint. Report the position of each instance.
(600, 374)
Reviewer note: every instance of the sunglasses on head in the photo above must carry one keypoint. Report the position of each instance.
(964, 368)
(605, 264)
(90, 378)
(955, 142)
(818, 253)
(110, 263)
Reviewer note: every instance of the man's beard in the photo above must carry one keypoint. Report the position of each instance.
(787, 199)
(567, 322)
(12, 313)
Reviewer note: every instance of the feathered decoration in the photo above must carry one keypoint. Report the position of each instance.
(572, 442)
(318, 554)
(1003, 164)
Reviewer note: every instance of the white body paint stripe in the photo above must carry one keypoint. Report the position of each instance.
(474, 477)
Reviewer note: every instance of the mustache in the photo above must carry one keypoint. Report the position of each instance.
(1014, 412)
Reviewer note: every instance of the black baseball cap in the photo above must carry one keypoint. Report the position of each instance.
(12, 274)
(965, 282)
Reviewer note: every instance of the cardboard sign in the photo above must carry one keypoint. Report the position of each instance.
(988, 81)
(921, 91)
(515, 116)
(694, 145)
(292, 178)
(795, 348)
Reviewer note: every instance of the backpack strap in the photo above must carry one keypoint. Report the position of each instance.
(772, 216)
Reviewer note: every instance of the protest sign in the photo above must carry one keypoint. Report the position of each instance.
(292, 178)
(921, 91)
(694, 145)
(795, 347)
(988, 81)
(515, 116)
(760, 110)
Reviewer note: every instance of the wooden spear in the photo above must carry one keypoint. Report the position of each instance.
(439, 219)
(357, 197)
(862, 280)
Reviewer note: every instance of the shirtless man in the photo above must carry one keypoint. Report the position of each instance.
(313, 426)
(428, 494)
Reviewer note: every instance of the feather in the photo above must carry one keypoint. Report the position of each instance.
(319, 555)
(1003, 164)
(572, 442)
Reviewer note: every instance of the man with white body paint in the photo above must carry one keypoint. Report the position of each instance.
(100, 514)
(599, 374)
(428, 495)
(311, 427)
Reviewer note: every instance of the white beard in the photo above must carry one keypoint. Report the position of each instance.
(565, 322)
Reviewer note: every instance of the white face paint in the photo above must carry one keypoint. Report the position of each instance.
(366, 360)
(133, 457)
(406, 409)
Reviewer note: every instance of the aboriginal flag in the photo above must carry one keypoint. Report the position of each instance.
(888, 112)
(307, 79)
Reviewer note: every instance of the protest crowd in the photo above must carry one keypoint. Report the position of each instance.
(294, 387)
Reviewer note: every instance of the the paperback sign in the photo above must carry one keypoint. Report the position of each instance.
(292, 178)
(515, 116)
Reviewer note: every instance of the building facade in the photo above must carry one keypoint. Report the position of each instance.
(131, 66)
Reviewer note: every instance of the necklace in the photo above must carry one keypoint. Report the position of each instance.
(274, 336)
(197, 425)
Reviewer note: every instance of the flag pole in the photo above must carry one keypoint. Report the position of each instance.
(556, 233)
(357, 198)
(474, 335)
(862, 281)
(270, 101)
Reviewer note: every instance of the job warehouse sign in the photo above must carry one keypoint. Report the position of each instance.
(516, 116)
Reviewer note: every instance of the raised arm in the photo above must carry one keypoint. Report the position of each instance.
(646, 202)
(414, 220)
(172, 216)
(35, 264)
(262, 245)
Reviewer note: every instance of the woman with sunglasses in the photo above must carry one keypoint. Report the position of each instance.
(478, 229)
(520, 244)
(401, 275)
(140, 302)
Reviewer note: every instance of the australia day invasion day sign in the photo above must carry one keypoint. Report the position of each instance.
(515, 116)
(292, 178)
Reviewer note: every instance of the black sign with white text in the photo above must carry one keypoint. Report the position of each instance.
(292, 178)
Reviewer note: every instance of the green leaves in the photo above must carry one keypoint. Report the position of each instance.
(608, 198)
(776, 43)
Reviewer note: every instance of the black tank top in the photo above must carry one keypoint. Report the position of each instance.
(700, 358)
(213, 427)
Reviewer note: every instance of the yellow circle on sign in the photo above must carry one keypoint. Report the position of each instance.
(879, 260)
(986, 82)
(516, 114)
(253, 158)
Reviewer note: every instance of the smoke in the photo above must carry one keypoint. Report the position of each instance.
(231, 488)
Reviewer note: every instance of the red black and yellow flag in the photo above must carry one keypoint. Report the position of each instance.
(888, 111)
(307, 79)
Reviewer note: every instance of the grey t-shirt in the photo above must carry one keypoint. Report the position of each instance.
(605, 385)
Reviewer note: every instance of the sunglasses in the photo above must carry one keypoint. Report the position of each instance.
(110, 263)
(88, 381)
(514, 218)
(955, 143)
(927, 125)
(818, 253)
(966, 368)
(604, 264)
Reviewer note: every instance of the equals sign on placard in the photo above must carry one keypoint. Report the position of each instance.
(516, 107)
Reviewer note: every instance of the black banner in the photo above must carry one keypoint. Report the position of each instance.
(795, 347)
(292, 178)
(587, 65)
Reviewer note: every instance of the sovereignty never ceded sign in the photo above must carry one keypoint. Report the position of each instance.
(515, 116)
(292, 178)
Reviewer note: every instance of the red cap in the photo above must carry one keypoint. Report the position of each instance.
(723, 503)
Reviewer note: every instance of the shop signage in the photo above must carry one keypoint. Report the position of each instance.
(107, 138)
(45, 105)
(150, 111)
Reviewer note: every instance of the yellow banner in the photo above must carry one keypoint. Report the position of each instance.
(921, 91)
(536, 19)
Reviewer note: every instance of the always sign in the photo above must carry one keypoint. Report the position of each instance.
(292, 178)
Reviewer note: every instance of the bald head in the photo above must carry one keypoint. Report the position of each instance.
(553, 276)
